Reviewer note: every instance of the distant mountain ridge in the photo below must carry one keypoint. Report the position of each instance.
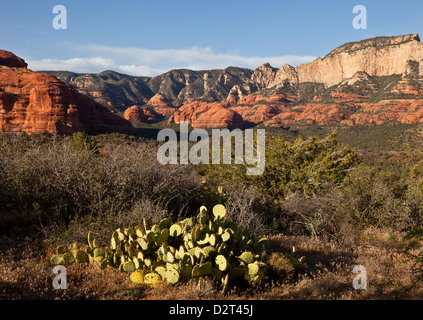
(355, 83)
(119, 91)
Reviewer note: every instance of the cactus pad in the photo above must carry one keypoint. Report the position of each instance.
(129, 266)
(81, 256)
(137, 277)
(219, 211)
(172, 276)
(152, 279)
(56, 259)
(68, 258)
(247, 257)
(175, 230)
(221, 262)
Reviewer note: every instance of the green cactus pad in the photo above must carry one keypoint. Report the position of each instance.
(161, 271)
(113, 244)
(175, 230)
(209, 251)
(172, 276)
(247, 257)
(90, 240)
(60, 250)
(136, 263)
(81, 256)
(217, 274)
(162, 237)
(139, 231)
(219, 211)
(186, 260)
(104, 264)
(98, 252)
(137, 277)
(203, 209)
(221, 262)
(226, 236)
(170, 257)
(237, 272)
(155, 228)
(188, 222)
(165, 223)
(199, 252)
(147, 262)
(204, 239)
(253, 273)
(120, 235)
(205, 269)
(129, 266)
(195, 271)
(56, 259)
(150, 236)
(212, 239)
(225, 282)
(202, 217)
(68, 258)
(231, 225)
(152, 279)
(143, 243)
(185, 273)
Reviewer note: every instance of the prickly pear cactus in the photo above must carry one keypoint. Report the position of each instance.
(207, 246)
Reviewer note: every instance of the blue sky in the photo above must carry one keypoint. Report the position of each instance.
(146, 37)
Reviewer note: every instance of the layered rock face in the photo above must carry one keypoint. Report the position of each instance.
(381, 56)
(142, 114)
(207, 115)
(33, 102)
(8, 59)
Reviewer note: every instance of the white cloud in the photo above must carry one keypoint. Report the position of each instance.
(75, 64)
(148, 62)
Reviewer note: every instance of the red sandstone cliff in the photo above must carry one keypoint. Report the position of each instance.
(33, 102)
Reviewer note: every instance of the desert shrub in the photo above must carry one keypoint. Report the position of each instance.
(305, 166)
(327, 215)
(413, 252)
(296, 174)
(58, 180)
(245, 207)
(82, 142)
(368, 197)
(375, 198)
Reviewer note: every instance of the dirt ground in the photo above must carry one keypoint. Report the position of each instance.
(325, 273)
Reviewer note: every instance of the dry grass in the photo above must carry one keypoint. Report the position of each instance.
(326, 273)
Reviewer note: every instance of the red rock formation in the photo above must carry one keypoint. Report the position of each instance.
(207, 115)
(140, 114)
(160, 100)
(8, 59)
(135, 114)
(36, 103)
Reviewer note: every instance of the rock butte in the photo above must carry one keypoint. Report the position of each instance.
(34, 102)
